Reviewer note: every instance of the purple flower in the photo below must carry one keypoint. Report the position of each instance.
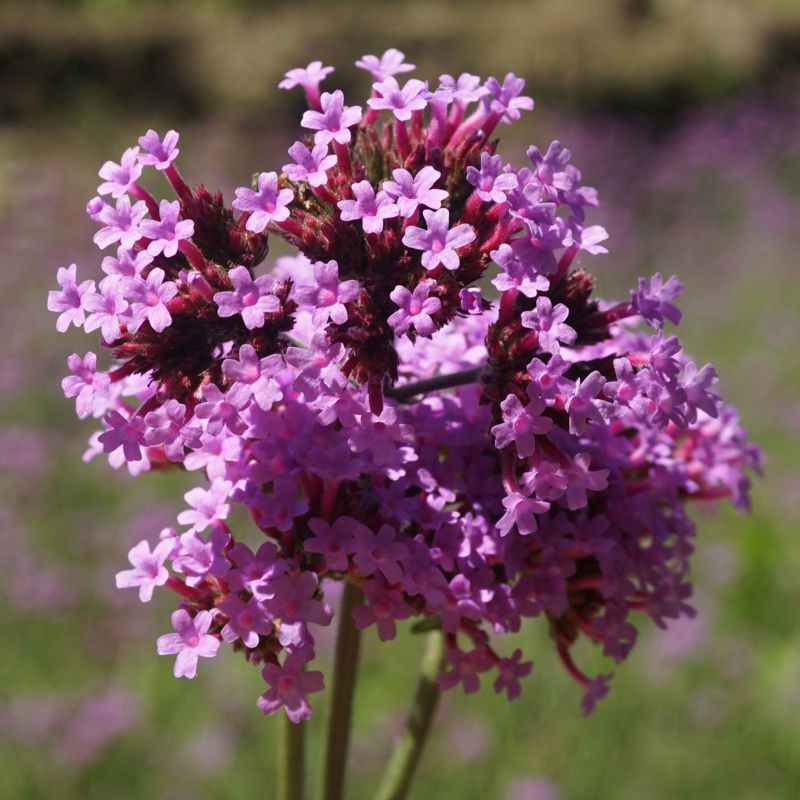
(587, 239)
(401, 102)
(439, 242)
(251, 378)
(580, 478)
(222, 410)
(515, 274)
(106, 308)
(268, 204)
(166, 426)
(334, 121)
(279, 509)
(334, 542)
(414, 310)
(197, 558)
(89, 387)
(581, 405)
(595, 691)
(465, 89)
(547, 377)
(127, 264)
(326, 295)
(491, 181)
(149, 298)
(254, 572)
(148, 568)
(250, 298)
(465, 668)
(510, 670)
(309, 77)
(521, 512)
(506, 98)
(206, 505)
(311, 166)
(379, 552)
(411, 191)
(120, 178)
(245, 621)
(372, 209)
(390, 63)
(696, 385)
(159, 153)
(522, 424)
(121, 223)
(70, 302)
(294, 600)
(124, 433)
(384, 605)
(289, 684)
(548, 322)
(653, 300)
(168, 231)
(191, 641)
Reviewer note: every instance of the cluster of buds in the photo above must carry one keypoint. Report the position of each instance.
(467, 461)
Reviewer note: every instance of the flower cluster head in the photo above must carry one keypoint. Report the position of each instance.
(469, 461)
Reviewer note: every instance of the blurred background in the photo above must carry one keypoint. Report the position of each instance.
(685, 114)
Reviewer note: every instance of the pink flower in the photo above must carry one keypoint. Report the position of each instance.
(372, 209)
(411, 191)
(326, 295)
(334, 121)
(86, 385)
(70, 301)
(250, 298)
(439, 242)
(120, 178)
(168, 231)
(159, 153)
(401, 102)
(414, 310)
(289, 684)
(121, 223)
(392, 62)
(148, 568)
(192, 641)
(311, 166)
(149, 298)
(268, 204)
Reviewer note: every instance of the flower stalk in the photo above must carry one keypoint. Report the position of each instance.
(291, 760)
(345, 671)
(408, 750)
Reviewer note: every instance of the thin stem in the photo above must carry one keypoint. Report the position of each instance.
(411, 390)
(291, 773)
(400, 770)
(344, 680)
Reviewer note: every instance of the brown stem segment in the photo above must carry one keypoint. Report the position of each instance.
(408, 392)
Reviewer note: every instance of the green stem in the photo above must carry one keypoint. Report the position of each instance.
(344, 680)
(291, 773)
(400, 770)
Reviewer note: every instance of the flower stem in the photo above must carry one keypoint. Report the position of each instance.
(400, 770)
(291, 774)
(411, 390)
(344, 680)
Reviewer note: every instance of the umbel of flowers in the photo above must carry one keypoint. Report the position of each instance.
(468, 461)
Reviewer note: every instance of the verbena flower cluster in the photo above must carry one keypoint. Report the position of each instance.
(468, 461)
